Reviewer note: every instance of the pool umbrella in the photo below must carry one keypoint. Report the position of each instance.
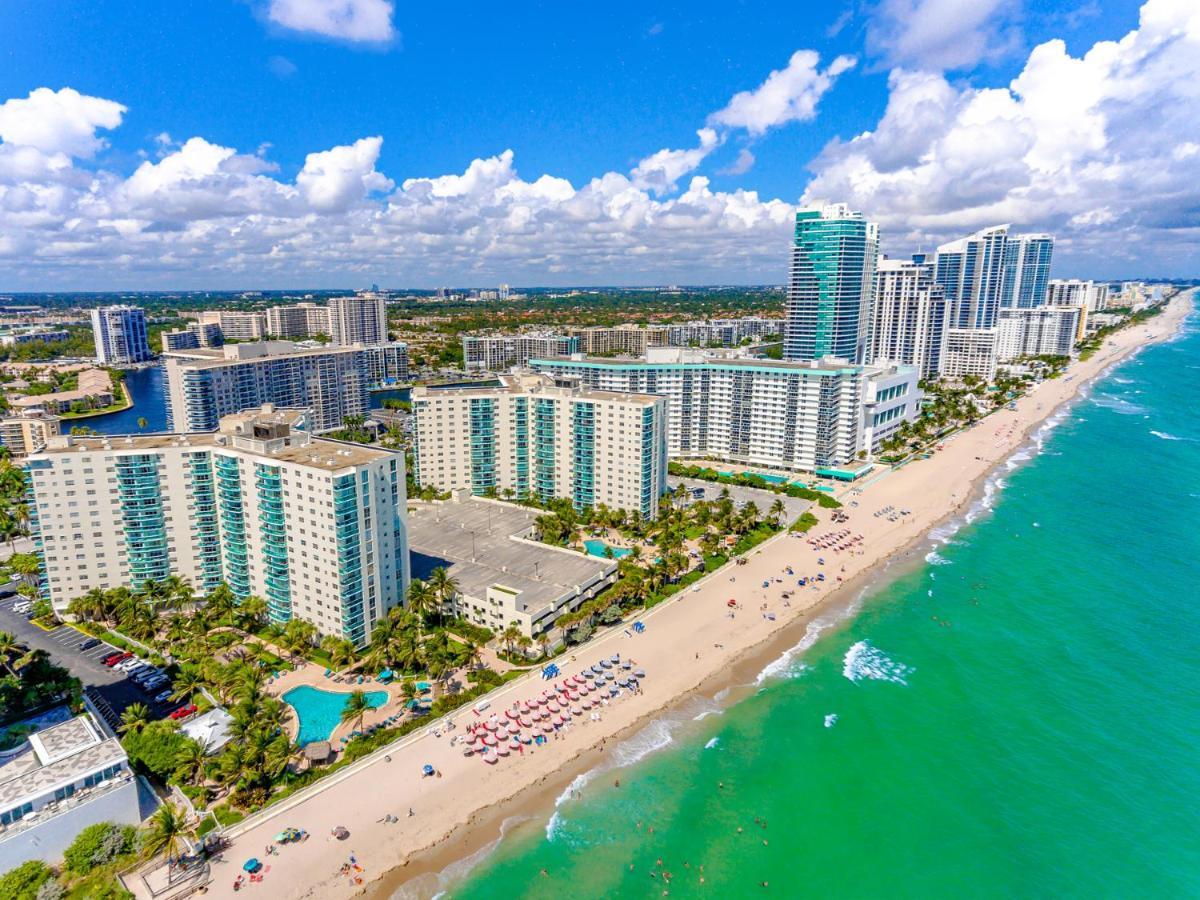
(252, 865)
(427, 769)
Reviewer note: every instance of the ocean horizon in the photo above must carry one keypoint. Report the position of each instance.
(1015, 716)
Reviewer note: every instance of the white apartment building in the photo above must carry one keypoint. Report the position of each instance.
(120, 335)
(361, 319)
(28, 433)
(235, 324)
(1072, 292)
(59, 781)
(908, 318)
(969, 351)
(1044, 331)
(499, 352)
(799, 415)
(313, 526)
(16, 337)
(298, 321)
(630, 340)
(546, 436)
(204, 385)
(195, 336)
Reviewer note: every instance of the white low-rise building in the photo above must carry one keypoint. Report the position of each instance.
(63, 779)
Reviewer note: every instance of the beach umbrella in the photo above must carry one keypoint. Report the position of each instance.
(491, 726)
(490, 740)
(526, 721)
(627, 665)
(616, 657)
(605, 664)
(341, 833)
(490, 759)
(514, 744)
(610, 676)
(467, 751)
(547, 728)
(427, 769)
(640, 673)
(512, 714)
(252, 865)
(553, 707)
(502, 750)
(576, 711)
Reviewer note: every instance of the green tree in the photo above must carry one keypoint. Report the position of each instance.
(356, 707)
(135, 717)
(98, 845)
(167, 834)
(25, 881)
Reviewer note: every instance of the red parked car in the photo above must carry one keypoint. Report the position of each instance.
(111, 661)
(184, 711)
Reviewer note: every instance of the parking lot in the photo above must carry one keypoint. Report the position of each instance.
(760, 497)
(110, 690)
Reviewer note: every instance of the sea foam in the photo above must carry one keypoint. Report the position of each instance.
(865, 662)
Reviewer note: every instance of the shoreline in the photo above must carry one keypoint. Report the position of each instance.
(457, 828)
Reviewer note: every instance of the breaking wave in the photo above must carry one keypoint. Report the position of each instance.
(865, 662)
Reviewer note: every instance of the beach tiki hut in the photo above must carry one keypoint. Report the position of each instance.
(318, 752)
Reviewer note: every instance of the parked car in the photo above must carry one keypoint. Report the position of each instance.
(163, 697)
(146, 674)
(184, 711)
(89, 643)
(129, 663)
(156, 682)
(117, 658)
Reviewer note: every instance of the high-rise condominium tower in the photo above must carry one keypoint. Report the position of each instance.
(1026, 270)
(361, 319)
(120, 335)
(832, 278)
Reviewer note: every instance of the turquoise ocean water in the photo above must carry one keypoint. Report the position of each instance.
(1018, 717)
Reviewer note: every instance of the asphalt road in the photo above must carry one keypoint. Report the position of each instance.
(110, 690)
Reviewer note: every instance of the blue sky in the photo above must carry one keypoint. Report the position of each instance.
(281, 143)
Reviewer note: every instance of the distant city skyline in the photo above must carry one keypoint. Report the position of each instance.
(272, 143)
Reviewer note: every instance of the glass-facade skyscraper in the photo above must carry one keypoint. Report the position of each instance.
(1026, 270)
(832, 278)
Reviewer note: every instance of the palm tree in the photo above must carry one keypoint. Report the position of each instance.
(340, 650)
(544, 643)
(135, 718)
(166, 834)
(250, 612)
(472, 653)
(420, 599)
(187, 682)
(510, 636)
(443, 586)
(356, 707)
(27, 565)
(8, 647)
(190, 761)
(777, 510)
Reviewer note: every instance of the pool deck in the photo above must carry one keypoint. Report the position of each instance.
(314, 676)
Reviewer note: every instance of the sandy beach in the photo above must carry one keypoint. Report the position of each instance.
(694, 642)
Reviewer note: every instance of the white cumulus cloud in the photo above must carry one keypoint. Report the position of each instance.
(368, 21)
(1087, 147)
(789, 94)
(661, 171)
(63, 121)
(942, 34)
(336, 179)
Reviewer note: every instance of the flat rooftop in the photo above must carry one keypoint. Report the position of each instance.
(815, 367)
(321, 453)
(59, 755)
(532, 383)
(473, 540)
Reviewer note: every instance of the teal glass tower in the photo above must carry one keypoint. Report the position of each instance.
(832, 279)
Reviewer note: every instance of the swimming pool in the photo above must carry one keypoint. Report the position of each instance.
(774, 479)
(599, 548)
(319, 712)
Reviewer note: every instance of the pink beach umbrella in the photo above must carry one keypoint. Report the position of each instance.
(490, 740)
(512, 714)
(576, 711)
(514, 744)
(526, 721)
(547, 728)
(502, 750)
(490, 758)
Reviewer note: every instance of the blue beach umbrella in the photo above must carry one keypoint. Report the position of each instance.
(252, 865)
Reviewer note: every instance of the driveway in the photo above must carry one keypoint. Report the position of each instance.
(111, 691)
